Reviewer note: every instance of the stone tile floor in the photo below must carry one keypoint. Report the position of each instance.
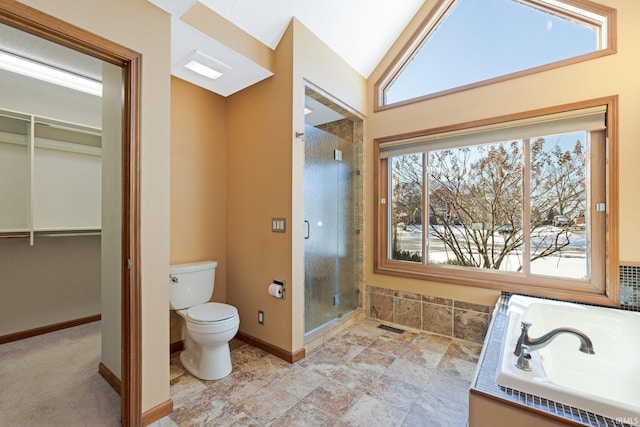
(364, 376)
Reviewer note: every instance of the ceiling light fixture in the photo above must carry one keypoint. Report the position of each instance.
(205, 65)
(307, 110)
(203, 70)
(36, 70)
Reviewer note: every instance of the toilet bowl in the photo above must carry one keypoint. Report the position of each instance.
(209, 326)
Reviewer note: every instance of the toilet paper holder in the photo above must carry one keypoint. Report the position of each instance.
(277, 282)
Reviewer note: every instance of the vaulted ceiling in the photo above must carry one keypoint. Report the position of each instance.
(359, 31)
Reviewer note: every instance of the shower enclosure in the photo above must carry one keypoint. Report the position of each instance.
(332, 184)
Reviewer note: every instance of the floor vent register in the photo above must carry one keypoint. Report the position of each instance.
(391, 329)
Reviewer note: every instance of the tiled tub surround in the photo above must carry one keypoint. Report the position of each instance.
(364, 376)
(442, 316)
(484, 382)
(604, 382)
(630, 287)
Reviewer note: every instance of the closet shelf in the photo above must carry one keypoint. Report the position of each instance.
(55, 171)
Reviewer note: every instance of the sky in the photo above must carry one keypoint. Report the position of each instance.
(481, 39)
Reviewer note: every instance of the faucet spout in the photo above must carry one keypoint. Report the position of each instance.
(586, 346)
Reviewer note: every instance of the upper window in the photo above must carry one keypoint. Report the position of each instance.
(464, 43)
(506, 204)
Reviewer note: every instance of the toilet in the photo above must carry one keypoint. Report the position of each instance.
(209, 325)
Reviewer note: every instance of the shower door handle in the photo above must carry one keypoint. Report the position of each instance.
(308, 229)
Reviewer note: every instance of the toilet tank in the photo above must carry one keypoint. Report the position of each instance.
(191, 284)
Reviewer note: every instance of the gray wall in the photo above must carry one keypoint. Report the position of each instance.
(56, 280)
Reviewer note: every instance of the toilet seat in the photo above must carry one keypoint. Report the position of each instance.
(211, 312)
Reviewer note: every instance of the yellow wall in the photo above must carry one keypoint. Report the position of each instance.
(259, 188)
(199, 179)
(198, 184)
(316, 63)
(266, 166)
(610, 75)
(144, 28)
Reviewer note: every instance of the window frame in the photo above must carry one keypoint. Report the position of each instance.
(606, 293)
(440, 11)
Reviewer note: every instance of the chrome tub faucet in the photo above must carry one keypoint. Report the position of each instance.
(526, 344)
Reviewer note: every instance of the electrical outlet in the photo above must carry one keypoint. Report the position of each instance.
(261, 317)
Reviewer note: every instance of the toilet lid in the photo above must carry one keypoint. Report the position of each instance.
(211, 312)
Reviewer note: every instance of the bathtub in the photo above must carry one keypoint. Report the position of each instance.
(605, 383)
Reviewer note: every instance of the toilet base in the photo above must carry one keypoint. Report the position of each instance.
(210, 363)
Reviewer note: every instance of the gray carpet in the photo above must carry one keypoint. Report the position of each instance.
(52, 380)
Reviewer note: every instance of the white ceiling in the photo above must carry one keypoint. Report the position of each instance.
(359, 31)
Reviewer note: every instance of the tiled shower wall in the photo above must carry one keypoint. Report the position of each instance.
(351, 129)
(443, 316)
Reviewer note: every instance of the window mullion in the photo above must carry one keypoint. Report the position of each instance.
(389, 209)
(526, 206)
(425, 209)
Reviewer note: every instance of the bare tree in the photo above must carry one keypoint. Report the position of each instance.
(481, 188)
(406, 194)
(476, 192)
(558, 187)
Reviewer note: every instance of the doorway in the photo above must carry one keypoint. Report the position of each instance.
(32, 21)
(332, 210)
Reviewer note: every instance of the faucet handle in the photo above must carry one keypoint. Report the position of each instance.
(524, 358)
(522, 339)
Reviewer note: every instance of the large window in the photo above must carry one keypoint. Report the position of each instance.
(504, 204)
(465, 43)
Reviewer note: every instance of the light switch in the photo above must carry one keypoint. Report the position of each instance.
(279, 225)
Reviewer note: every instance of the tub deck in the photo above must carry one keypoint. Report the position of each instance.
(484, 383)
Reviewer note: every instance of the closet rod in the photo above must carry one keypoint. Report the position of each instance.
(11, 235)
(76, 234)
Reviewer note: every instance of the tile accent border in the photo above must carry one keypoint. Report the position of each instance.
(448, 317)
(630, 287)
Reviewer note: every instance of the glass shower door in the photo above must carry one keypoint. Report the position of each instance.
(347, 213)
(329, 264)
